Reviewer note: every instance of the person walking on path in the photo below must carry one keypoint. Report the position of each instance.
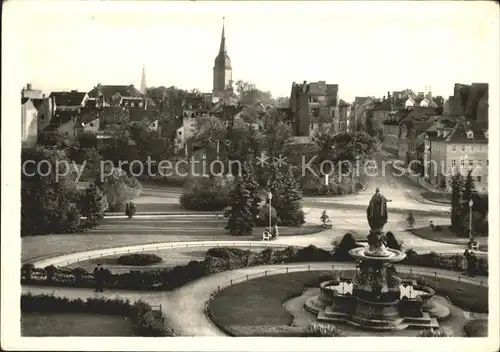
(102, 278)
(472, 264)
(97, 277)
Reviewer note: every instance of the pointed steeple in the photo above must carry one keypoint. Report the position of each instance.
(144, 86)
(223, 48)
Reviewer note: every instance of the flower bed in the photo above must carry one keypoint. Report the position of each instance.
(148, 322)
(139, 259)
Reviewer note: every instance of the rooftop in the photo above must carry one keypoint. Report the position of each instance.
(73, 98)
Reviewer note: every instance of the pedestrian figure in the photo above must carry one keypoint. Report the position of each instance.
(102, 278)
(472, 264)
(97, 277)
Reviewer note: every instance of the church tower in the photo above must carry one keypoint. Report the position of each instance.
(144, 86)
(223, 72)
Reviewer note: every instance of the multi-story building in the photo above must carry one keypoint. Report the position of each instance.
(362, 105)
(391, 131)
(63, 112)
(311, 105)
(462, 148)
(29, 122)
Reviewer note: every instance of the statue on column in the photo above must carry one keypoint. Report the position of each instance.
(377, 211)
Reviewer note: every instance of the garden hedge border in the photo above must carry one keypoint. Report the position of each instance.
(148, 322)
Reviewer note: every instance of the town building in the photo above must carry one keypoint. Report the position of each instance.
(61, 114)
(312, 105)
(460, 147)
(29, 122)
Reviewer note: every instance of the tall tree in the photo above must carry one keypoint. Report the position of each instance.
(457, 186)
(287, 196)
(93, 204)
(241, 217)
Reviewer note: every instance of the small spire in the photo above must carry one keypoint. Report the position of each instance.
(144, 86)
(223, 48)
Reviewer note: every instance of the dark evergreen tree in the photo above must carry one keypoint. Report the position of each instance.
(287, 197)
(469, 188)
(253, 187)
(241, 219)
(457, 186)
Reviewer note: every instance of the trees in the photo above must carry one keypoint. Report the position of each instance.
(457, 186)
(287, 196)
(93, 204)
(48, 200)
(119, 189)
(242, 202)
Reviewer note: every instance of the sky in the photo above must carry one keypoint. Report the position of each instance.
(366, 48)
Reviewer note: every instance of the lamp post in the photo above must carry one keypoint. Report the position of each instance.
(270, 196)
(471, 203)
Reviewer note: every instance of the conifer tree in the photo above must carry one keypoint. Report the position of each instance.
(242, 199)
(287, 197)
(469, 188)
(457, 187)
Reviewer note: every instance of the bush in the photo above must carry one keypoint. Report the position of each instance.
(27, 270)
(392, 242)
(205, 194)
(141, 259)
(341, 249)
(119, 189)
(148, 321)
(263, 216)
(315, 329)
(433, 333)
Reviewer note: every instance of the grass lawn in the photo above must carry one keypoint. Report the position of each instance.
(447, 236)
(39, 247)
(71, 324)
(437, 197)
(255, 307)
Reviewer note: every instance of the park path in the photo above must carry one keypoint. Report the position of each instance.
(184, 308)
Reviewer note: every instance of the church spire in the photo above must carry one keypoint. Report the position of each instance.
(143, 81)
(223, 48)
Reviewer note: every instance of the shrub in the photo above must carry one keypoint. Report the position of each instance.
(79, 273)
(433, 333)
(202, 194)
(50, 271)
(140, 259)
(148, 321)
(226, 252)
(263, 216)
(392, 242)
(119, 189)
(27, 270)
(476, 328)
(341, 249)
(315, 329)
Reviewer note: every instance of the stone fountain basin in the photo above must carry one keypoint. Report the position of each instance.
(391, 256)
(408, 290)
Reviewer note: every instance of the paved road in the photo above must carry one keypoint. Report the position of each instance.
(184, 307)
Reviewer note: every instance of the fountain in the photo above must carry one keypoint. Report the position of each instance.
(375, 298)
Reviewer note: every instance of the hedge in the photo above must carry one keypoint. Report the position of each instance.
(217, 260)
(139, 259)
(148, 322)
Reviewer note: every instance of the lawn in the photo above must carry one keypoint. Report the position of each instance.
(255, 307)
(171, 257)
(71, 324)
(447, 236)
(133, 233)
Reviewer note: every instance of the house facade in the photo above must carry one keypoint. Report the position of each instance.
(29, 123)
(462, 148)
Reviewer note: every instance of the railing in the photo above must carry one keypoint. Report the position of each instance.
(66, 260)
(346, 266)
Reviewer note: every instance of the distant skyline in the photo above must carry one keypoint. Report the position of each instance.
(366, 48)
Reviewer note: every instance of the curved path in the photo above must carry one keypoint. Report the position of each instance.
(184, 308)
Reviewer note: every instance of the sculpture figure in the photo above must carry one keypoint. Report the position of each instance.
(377, 211)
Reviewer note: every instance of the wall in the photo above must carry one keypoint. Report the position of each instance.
(391, 138)
(92, 126)
(29, 125)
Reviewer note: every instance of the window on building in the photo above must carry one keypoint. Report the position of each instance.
(141, 104)
(462, 147)
(180, 133)
(480, 162)
(462, 162)
(487, 162)
(453, 162)
(478, 178)
(132, 104)
(126, 103)
(471, 162)
(453, 148)
(91, 124)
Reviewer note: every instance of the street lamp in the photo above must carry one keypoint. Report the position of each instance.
(471, 203)
(270, 196)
